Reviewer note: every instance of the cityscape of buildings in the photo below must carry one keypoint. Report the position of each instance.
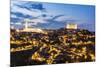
(51, 33)
(65, 45)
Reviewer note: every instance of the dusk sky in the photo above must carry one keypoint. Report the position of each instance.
(52, 15)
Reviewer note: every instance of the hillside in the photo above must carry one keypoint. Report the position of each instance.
(57, 46)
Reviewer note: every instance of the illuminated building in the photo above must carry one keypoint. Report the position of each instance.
(30, 29)
(71, 26)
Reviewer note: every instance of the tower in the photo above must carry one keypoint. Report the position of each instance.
(26, 24)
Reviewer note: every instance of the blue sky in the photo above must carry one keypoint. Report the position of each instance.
(52, 15)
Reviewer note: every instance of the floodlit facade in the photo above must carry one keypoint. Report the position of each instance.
(71, 26)
(31, 30)
(28, 29)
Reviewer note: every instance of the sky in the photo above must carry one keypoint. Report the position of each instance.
(52, 15)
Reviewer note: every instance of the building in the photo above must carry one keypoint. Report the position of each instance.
(71, 26)
(30, 29)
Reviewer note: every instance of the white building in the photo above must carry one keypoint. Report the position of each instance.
(30, 29)
(71, 26)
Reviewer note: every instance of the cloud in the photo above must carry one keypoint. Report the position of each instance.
(31, 6)
(14, 20)
(20, 15)
(62, 18)
(36, 21)
(23, 9)
(13, 16)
